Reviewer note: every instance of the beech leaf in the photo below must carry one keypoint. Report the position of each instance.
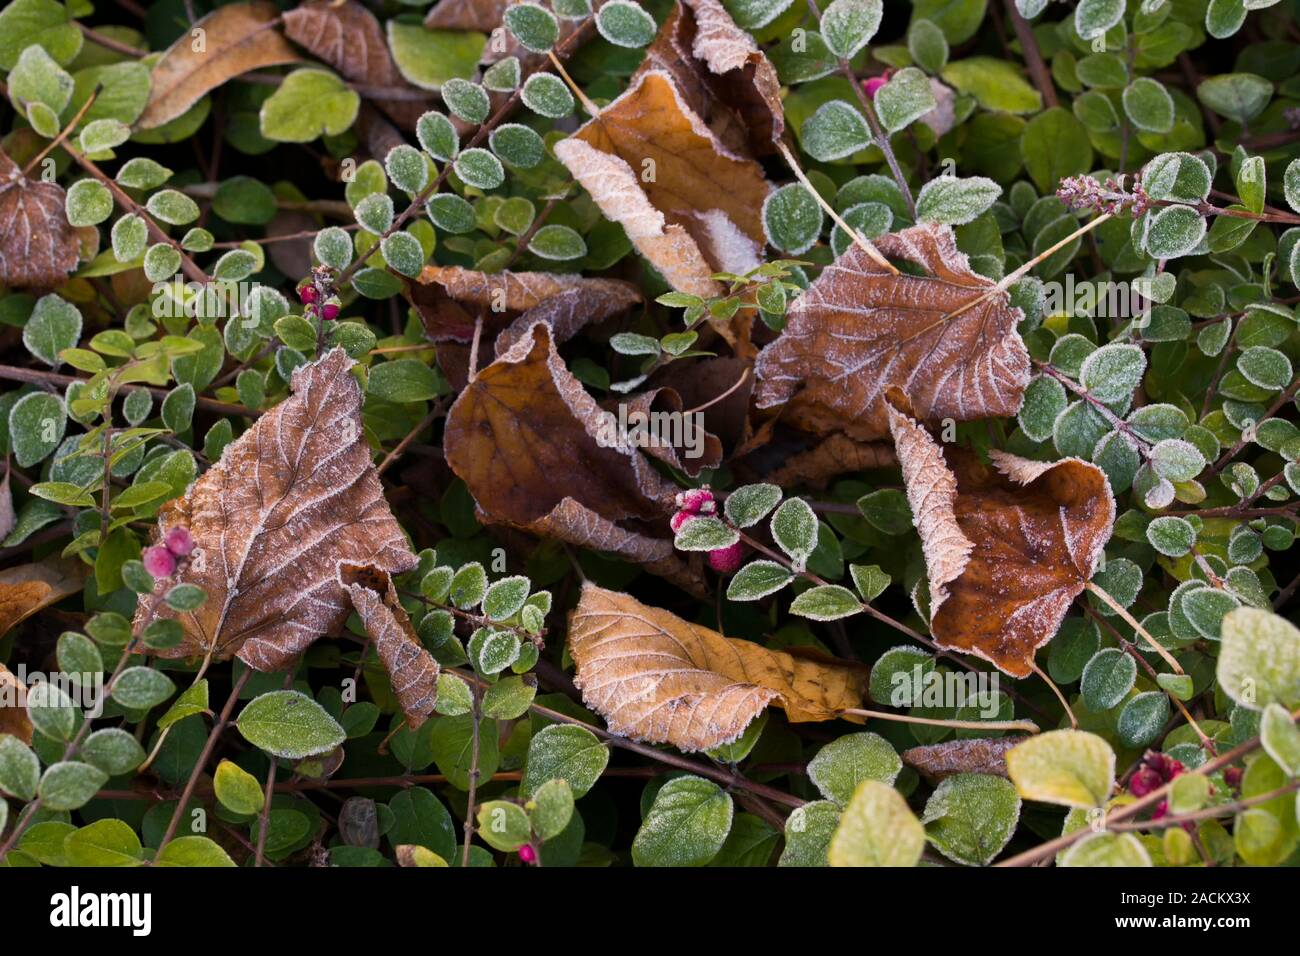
(235, 39)
(38, 246)
(1008, 550)
(292, 506)
(657, 678)
(860, 329)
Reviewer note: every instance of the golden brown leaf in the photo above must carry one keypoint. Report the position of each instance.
(292, 502)
(859, 330)
(413, 672)
(1006, 551)
(483, 16)
(449, 299)
(688, 204)
(722, 74)
(28, 588)
(657, 678)
(349, 38)
(831, 456)
(536, 452)
(980, 755)
(237, 38)
(37, 246)
(14, 718)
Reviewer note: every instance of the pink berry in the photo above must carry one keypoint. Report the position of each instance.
(698, 501)
(179, 542)
(1232, 777)
(727, 560)
(874, 84)
(680, 518)
(329, 312)
(158, 561)
(527, 853)
(1161, 809)
(308, 294)
(1144, 781)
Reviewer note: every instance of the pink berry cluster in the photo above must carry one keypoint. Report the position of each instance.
(698, 503)
(314, 295)
(160, 559)
(1154, 772)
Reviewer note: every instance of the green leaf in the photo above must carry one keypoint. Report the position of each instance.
(405, 380)
(1055, 145)
(533, 26)
(104, 843)
(42, 22)
(466, 101)
(971, 817)
(849, 25)
(1171, 536)
(625, 24)
(193, 851)
(869, 580)
(996, 84)
(705, 534)
(429, 58)
(503, 825)
(792, 219)
(808, 832)
(518, 147)
(140, 688)
(289, 724)
(845, 762)
(834, 131)
(238, 790)
(1237, 96)
(477, 167)
(70, 785)
(952, 201)
(1092, 18)
(905, 98)
(1259, 659)
(1281, 739)
(750, 504)
(1112, 372)
(557, 243)
(1142, 718)
(887, 510)
(113, 751)
(757, 580)
(827, 602)
(876, 829)
(1107, 849)
(1107, 678)
(686, 825)
(546, 95)
(567, 751)
(1045, 399)
(551, 808)
(1073, 768)
(20, 770)
(794, 529)
(308, 104)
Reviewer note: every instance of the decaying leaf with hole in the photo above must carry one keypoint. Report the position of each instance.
(234, 39)
(13, 707)
(538, 453)
(38, 248)
(1007, 549)
(349, 38)
(291, 504)
(449, 300)
(860, 329)
(413, 672)
(986, 755)
(28, 588)
(722, 74)
(657, 678)
(688, 203)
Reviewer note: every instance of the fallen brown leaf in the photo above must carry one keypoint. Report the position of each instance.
(28, 588)
(688, 204)
(449, 299)
(722, 74)
(37, 246)
(981, 755)
(531, 446)
(237, 38)
(831, 456)
(859, 329)
(349, 38)
(291, 503)
(672, 446)
(413, 672)
(14, 718)
(657, 678)
(482, 16)
(1006, 551)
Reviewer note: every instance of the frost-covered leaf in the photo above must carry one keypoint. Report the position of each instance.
(1069, 767)
(686, 825)
(658, 678)
(876, 829)
(971, 817)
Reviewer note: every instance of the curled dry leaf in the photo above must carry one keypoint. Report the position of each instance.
(449, 299)
(669, 431)
(37, 246)
(688, 203)
(292, 503)
(413, 672)
(483, 16)
(348, 37)
(28, 588)
(536, 452)
(860, 329)
(1006, 550)
(657, 678)
(985, 755)
(236, 39)
(722, 74)
(831, 456)
(14, 718)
